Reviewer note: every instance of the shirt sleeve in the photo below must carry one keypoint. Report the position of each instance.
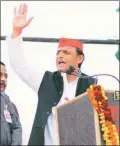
(27, 72)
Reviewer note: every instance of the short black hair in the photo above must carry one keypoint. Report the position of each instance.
(1, 63)
(79, 52)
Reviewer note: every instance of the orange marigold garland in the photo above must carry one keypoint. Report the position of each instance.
(99, 101)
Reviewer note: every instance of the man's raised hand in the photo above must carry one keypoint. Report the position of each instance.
(19, 20)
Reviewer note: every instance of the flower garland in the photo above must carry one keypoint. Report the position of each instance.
(99, 101)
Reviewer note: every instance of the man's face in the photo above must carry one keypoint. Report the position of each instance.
(3, 78)
(66, 57)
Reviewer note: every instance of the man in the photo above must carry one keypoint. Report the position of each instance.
(52, 88)
(11, 130)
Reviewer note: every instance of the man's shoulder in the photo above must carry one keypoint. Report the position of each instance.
(89, 78)
(50, 73)
(83, 74)
(5, 97)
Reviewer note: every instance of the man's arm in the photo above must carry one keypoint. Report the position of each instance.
(29, 74)
(15, 108)
(16, 128)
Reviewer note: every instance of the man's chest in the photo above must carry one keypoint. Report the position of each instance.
(68, 92)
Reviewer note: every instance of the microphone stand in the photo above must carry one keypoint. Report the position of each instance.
(78, 74)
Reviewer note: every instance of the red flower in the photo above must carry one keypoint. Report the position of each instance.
(104, 102)
(104, 106)
(98, 111)
(109, 119)
(97, 87)
(97, 93)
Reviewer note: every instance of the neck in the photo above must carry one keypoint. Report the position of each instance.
(70, 78)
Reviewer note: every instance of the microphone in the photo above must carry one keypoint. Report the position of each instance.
(72, 71)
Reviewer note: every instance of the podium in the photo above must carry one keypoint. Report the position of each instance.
(77, 122)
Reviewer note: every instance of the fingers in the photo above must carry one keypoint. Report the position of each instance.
(19, 9)
(25, 9)
(22, 9)
(21, 13)
(66, 98)
(14, 13)
(29, 20)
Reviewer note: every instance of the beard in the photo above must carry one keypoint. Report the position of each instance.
(2, 86)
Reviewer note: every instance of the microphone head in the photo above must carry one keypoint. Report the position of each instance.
(70, 70)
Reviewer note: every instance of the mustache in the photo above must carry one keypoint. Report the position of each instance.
(2, 84)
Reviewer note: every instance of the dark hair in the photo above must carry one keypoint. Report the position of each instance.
(1, 63)
(79, 52)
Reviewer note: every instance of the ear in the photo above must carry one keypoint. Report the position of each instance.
(80, 58)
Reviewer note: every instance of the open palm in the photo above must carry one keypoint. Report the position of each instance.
(19, 19)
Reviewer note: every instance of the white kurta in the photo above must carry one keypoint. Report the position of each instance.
(33, 77)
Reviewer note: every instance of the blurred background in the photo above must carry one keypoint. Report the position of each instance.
(55, 19)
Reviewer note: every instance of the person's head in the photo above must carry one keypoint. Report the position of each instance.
(3, 77)
(69, 53)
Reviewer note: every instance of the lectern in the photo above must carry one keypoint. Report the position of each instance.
(77, 122)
